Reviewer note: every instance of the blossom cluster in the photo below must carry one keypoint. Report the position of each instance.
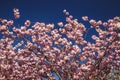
(43, 50)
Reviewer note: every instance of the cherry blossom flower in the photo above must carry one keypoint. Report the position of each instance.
(43, 50)
(16, 13)
(92, 22)
(60, 24)
(27, 23)
(85, 18)
(118, 25)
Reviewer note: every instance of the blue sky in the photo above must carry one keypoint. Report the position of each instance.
(51, 10)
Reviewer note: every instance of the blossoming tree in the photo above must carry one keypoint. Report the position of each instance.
(44, 52)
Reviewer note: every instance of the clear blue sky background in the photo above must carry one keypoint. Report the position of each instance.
(51, 11)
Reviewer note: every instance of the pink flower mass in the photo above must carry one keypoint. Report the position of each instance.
(43, 50)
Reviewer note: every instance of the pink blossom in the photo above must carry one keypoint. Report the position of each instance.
(75, 76)
(118, 25)
(4, 21)
(9, 23)
(92, 22)
(60, 24)
(64, 10)
(105, 24)
(70, 16)
(67, 13)
(68, 20)
(27, 23)
(99, 22)
(82, 58)
(85, 18)
(3, 28)
(16, 13)
(39, 51)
